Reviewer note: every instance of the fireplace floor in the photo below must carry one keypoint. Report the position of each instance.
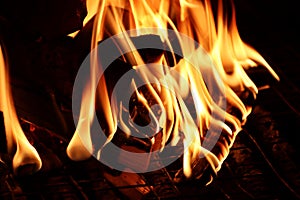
(262, 165)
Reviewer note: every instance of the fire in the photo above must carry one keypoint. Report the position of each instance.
(219, 37)
(24, 154)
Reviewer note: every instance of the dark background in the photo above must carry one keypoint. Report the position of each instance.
(272, 28)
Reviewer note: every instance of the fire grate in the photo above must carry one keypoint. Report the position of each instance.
(262, 163)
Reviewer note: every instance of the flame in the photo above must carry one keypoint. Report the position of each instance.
(218, 36)
(17, 144)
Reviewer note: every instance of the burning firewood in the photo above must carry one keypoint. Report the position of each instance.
(220, 39)
(231, 56)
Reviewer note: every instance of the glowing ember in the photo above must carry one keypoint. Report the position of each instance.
(220, 39)
(24, 154)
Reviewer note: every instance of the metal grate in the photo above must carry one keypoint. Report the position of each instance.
(263, 160)
(253, 170)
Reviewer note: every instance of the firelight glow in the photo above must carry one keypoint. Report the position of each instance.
(221, 40)
(17, 144)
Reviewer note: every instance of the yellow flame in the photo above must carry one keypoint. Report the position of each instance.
(220, 38)
(17, 143)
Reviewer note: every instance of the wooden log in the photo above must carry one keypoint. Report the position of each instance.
(261, 76)
(3, 145)
(59, 69)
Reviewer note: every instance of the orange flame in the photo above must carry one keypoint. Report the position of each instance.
(220, 38)
(17, 143)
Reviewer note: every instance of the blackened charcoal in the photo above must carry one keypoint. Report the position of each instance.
(3, 146)
(201, 170)
(4, 165)
(83, 39)
(5, 170)
(260, 76)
